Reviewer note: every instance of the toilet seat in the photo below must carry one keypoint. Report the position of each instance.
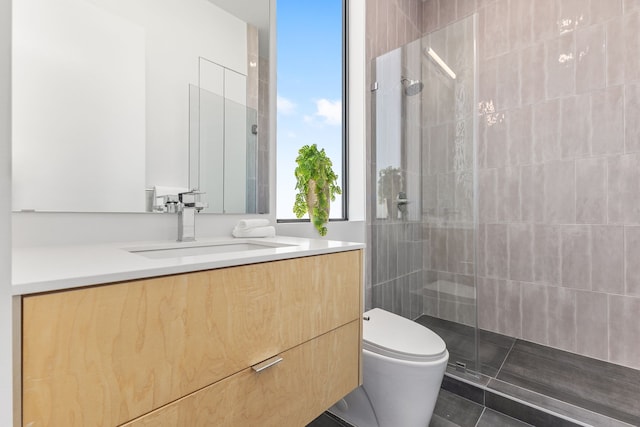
(390, 335)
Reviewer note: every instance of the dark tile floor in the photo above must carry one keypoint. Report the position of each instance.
(328, 420)
(601, 387)
(541, 385)
(573, 386)
(491, 418)
(460, 339)
(455, 411)
(451, 411)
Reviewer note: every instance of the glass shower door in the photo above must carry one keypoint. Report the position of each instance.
(424, 227)
(397, 246)
(449, 204)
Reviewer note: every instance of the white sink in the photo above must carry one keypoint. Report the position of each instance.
(194, 249)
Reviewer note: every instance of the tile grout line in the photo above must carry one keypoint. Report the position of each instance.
(559, 414)
(484, 409)
(505, 358)
(487, 389)
(535, 405)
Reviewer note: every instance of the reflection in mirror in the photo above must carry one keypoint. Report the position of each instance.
(223, 148)
(397, 109)
(103, 103)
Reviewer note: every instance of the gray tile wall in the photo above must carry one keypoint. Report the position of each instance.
(559, 171)
(393, 270)
(559, 175)
(396, 273)
(263, 136)
(253, 82)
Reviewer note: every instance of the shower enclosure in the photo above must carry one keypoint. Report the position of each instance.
(422, 258)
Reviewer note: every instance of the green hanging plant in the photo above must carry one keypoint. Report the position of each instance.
(316, 186)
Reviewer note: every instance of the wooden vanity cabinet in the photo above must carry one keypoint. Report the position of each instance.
(309, 379)
(178, 350)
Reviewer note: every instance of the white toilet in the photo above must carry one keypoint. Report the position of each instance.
(403, 367)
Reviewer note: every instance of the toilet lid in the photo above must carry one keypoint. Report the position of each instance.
(391, 335)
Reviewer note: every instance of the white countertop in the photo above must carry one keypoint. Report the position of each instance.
(44, 269)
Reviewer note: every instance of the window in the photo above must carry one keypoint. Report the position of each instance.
(311, 93)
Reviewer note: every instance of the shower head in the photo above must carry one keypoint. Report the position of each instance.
(412, 87)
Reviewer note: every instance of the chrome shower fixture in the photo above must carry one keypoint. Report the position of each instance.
(412, 87)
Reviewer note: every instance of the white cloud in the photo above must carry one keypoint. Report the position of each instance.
(285, 106)
(330, 111)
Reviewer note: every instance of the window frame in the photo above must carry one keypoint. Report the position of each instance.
(345, 126)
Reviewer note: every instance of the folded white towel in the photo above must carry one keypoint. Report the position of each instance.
(268, 231)
(245, 224)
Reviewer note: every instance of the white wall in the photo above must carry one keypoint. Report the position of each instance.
(347, 231)
(357, 110)
(6, 367)
(53, 229)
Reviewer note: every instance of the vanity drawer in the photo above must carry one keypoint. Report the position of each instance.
(310, 378)
(108, 354)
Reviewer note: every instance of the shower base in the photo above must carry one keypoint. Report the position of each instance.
(536, 384)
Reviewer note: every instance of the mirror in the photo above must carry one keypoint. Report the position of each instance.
(223, 139)
(115, 98)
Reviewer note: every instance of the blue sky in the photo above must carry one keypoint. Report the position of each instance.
(309, 89)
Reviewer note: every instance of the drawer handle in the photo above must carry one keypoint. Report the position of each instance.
(267, 364)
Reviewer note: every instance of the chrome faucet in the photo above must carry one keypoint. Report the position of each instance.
(187, 206)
